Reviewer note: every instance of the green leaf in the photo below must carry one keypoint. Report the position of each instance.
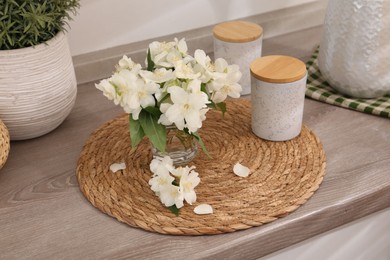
(222, 107)
(150, 61)
(164, 98)
(136, 132)
(154, 111)
(174, 210)
(156, 132)
(203, 88)
(219, 106)
(31, 22)
(197, 137)
(211, 104)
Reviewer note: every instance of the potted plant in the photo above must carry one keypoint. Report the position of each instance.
(37, 80)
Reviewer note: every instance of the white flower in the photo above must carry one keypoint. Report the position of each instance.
(241, 170)
(203, 60)
(108, 90)
(170, 196)
(225, 81)
(179, 52)
(133, 93)
(185, 71)
(138, 95)
(188, 181)
(163, 119)
(174, 56)
(159, 52)
(166, 54)
(203, 65)
(160, 75)
(117, 167)
(129, 64)
(144, 93)
(188, 109)
(203, 209)
(121, 82)
(194, 86)
(161, 182)
(181, 46)
(161, 166)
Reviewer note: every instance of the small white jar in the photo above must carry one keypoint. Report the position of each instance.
(239, 42)
(278, 94)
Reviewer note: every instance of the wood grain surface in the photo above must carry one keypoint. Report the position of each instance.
(43, 214)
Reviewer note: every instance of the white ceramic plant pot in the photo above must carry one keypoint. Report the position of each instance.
(37, 88)
(355, 49)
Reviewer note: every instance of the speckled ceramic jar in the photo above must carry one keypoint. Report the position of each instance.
(355, 48)
(278, 94)
(239, 42)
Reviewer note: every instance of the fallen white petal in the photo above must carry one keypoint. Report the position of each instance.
(241, 170)
(203, 209)
(117, 166)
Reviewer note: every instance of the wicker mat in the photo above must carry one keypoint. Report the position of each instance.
(284, 176)
(4, 144)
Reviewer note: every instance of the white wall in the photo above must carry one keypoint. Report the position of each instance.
(102, 24)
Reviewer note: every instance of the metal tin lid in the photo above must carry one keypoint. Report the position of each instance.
(278, 69)
(237, 31)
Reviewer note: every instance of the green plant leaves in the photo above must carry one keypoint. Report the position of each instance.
(154, 111)
(31, 22)
(174, 210)
(200, 141)
(222, 106)
(136, 132)
(219, 106)
(147, 125)
(150, 62)
(156, 132)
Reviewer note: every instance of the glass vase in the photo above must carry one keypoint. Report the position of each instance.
(181, 147)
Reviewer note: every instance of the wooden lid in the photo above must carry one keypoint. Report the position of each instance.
(278, 69)
(237, 31)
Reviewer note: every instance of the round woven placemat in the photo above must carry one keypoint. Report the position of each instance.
(284, 175)
(4, 144)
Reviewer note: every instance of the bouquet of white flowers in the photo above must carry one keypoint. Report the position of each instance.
(174, 89)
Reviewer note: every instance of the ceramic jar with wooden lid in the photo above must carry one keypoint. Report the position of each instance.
(278, 93)
(238, 42)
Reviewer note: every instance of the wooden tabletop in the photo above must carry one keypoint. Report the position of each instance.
(43, 214)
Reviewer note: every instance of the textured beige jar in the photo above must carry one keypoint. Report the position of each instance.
(278, 93)
(355, 47)
(239, 42)
(37, 88)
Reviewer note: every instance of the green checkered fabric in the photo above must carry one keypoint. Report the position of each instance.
(318, 89)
